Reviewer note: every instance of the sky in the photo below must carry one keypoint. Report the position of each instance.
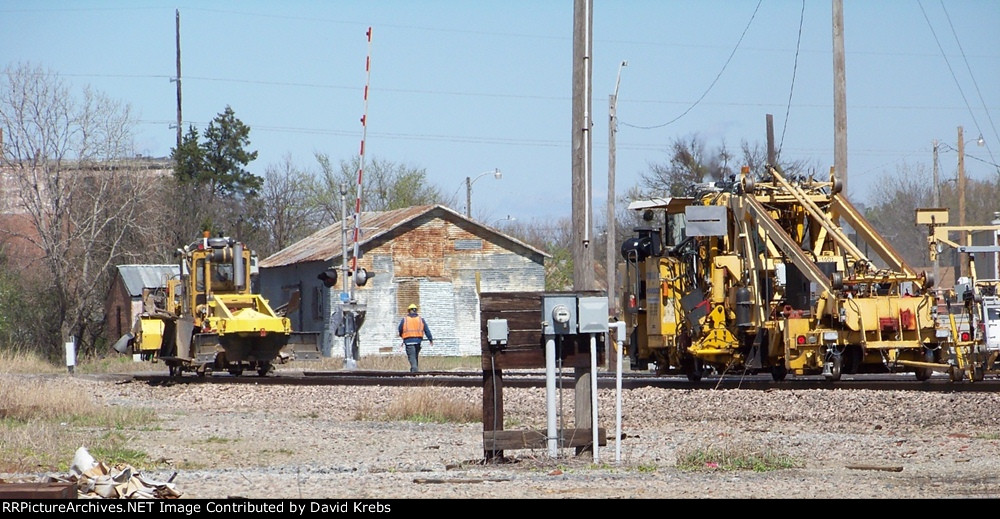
(461, 89)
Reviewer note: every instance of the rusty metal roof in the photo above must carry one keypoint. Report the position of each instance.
(325, 244)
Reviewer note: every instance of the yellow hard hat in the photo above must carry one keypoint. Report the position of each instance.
(411, 307)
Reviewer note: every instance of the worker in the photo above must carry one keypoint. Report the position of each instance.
(413, 328)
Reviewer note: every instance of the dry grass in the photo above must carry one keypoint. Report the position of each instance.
(17, 361)
(14, 361)
(44, 420)
(424, 404)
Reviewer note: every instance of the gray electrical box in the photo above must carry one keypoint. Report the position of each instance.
(497, 332)
(705, 220)
(593, 314)
(558, 314)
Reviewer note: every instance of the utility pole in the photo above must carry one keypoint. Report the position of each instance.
(839, 96)
(609, 258)
(936, 197)
(963, 239)
(612, 132)
(178, 44)
(583, 258)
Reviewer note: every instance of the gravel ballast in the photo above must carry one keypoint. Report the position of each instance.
(292, 442)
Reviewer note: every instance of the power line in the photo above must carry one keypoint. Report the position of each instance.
(795, 68)
(974, 83)
(948, 63)
(714, 81)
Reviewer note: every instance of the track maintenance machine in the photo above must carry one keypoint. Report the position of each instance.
(209, 318)
(748, 277)
(976, 332)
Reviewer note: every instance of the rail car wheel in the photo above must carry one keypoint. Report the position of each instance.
(835, 365)
(236, 371)
(264, 368)
(692, 368)
(174, 370)
(779, 372)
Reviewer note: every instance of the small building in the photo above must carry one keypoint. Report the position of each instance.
(130, 287)
(429, 255)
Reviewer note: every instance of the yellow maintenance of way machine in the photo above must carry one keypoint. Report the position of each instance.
(747, 277)
(210, 318)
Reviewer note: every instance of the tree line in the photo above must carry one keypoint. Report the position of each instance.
(77, 202)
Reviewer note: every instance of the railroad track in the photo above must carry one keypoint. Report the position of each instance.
(566, 379)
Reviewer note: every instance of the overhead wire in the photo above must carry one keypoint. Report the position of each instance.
(710, 86)
(974, 83)
(795, 68)
(950, 69)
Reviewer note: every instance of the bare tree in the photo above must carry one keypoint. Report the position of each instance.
(894, 199)
(689, 164)
(288, 217)
(71, 175)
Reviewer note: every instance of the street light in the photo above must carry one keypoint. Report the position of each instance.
(961, 183)
(509, 218)
(468, 188)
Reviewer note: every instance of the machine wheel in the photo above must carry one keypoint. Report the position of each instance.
(834, 374)
(692, 368)
(978, 374)
(925, 373)
(174, 370)
(956, 374)
(236, 371)
(779, 372)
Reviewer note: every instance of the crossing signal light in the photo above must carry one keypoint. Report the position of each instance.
(328, 277)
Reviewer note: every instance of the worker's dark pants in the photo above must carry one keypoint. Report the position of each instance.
(412, 352)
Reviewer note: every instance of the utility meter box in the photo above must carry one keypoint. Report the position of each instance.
(497, 332)
(593, 314)
(558, 314)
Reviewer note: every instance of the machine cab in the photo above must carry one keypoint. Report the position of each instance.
(991, 322)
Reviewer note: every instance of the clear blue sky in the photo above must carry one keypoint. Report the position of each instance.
(462, 87)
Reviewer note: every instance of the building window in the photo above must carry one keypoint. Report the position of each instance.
(468, 244)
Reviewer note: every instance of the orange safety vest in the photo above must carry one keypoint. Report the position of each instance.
(413, 327)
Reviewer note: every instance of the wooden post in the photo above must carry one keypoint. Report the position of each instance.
(963, 235)
(839, 96)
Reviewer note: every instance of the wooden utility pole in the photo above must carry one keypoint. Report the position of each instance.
(771, 153)
(612, 132)
(839, 96)
(609, 259)
(178, 79)
(583, 255)
(964, 235)
(936, 197)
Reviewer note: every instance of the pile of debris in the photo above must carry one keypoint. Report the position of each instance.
(95, 480)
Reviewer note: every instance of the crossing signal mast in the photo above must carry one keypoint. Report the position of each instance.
(348, 315)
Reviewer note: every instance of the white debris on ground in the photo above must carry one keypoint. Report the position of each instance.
(95, 480)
